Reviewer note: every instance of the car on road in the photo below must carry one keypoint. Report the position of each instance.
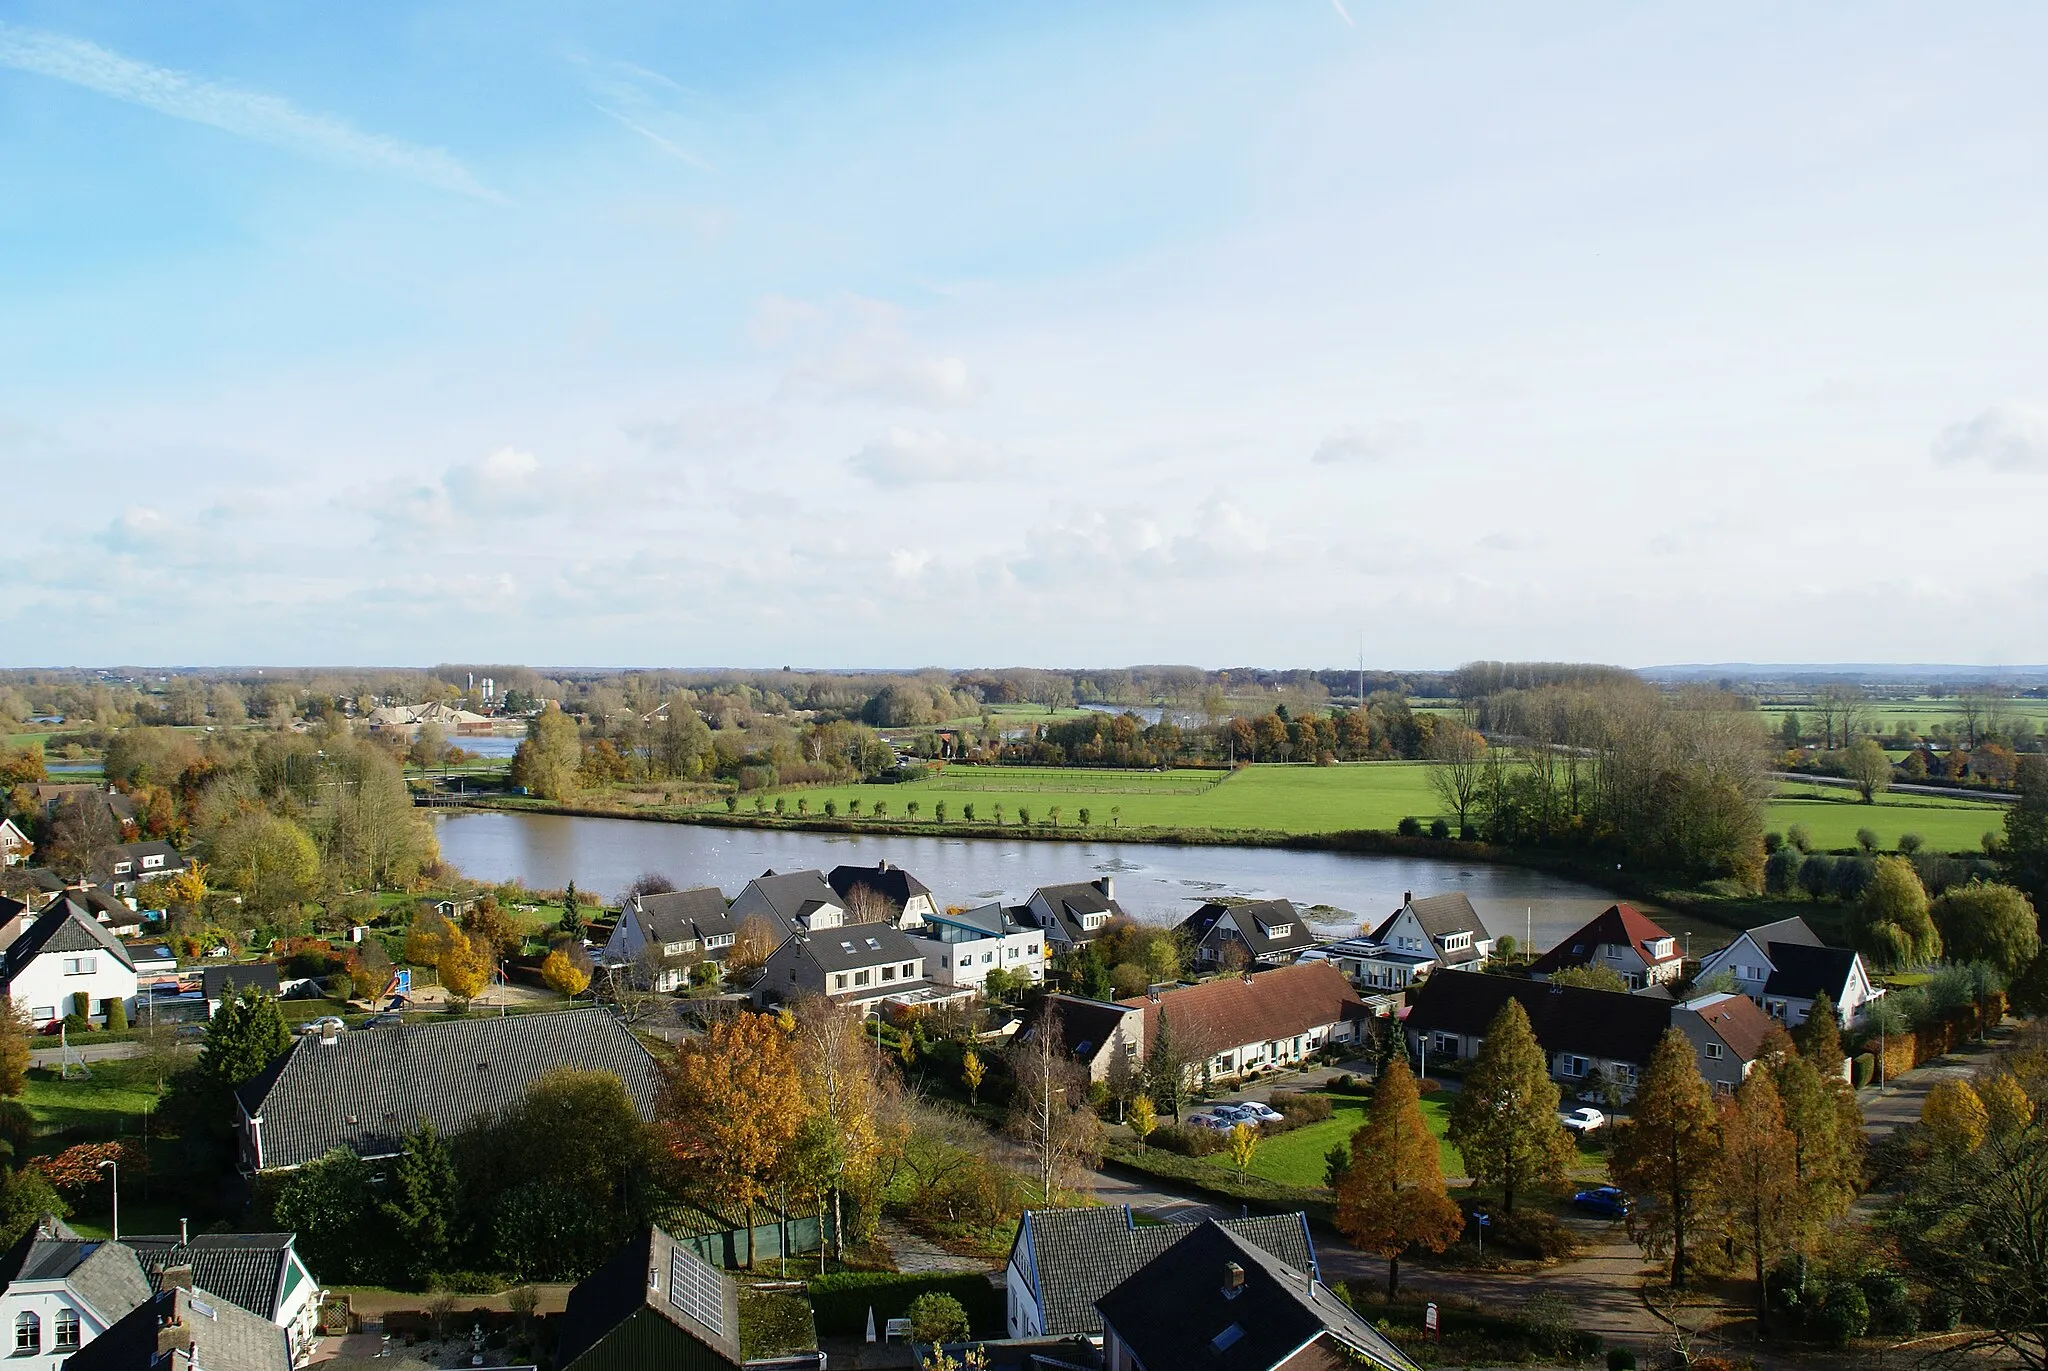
(1583, 1120)
(1604, 1200)
(326, 1023)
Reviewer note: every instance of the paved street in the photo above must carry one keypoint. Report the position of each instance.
(52, 1057)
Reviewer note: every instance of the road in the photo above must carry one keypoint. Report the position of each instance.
(53, 1057)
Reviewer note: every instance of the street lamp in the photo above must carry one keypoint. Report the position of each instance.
(111, 1165)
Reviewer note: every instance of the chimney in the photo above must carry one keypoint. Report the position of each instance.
(1233, 1280)
(882, 865)
(172, 1337)
(184, 1234)
(177, 1278)
(1107, 885)
(329, 1035)
(1407, 898)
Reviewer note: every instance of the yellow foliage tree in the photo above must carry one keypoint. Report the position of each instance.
(188, 888)
(971, 1074)
(465, 966)
(2006, 1107)
(1143, 1117)
(563, 976)
(732, 1104)
(1244, 1144)
(428, 938)
(1955, 1117)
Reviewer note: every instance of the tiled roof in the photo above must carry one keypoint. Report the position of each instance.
(247, 1269)
(1619, 925)
(1566, 1018)
(1800, 972)
(679, 916)
(1265, 1007)
(64, 927)
(1073, 902)
(891, 882)
(1792, 930)
(651, 1272)
(1252, 919)
(1080, 1255)
(222, 982)
(1175, 1311)
(787, 892)
(370, 1087)
(1085, 1025)
(857, 945)
(221, 1337)
(1736, 1021)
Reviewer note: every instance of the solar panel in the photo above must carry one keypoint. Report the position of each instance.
(696, 1288)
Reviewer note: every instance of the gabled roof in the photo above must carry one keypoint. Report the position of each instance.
(1175, 1311)
(652, 1272)
(889, 881)
(1800, 972)
(1075, 901)
(65, 926)
(1253, 921)
(1619, 925)
(37, 879)
(246, 1269)
(215, 1335)
(133, 853)
(1225, 1013)
(1792, 930)
(1085, 1025)
(370, 1087)
(223, 982)
(854, 946)
(106, 1275)
(1076, 1256)
(787, 892)
(680, 916)
(1736, 1021)
(1440, 917)
(1566, 1018)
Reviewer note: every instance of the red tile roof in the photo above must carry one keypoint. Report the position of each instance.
(1619, 924)
(1737, 1021)
(1264, 1007)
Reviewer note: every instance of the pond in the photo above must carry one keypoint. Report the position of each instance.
(1156, 883)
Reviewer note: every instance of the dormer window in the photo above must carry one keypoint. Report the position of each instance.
(1277, 930)
(1094, 921)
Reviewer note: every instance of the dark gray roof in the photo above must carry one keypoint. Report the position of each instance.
(39, 879)
(680, 916)
(222, 982)
(786, 892)
(64, 927)
(1800, 972)
(855, 946)
(1073, 902)
(222, 1337)
(133, 853)
(1441, 916)
(1079, 1255)
(247, 1269)
(106, 1275)
(1085, 1025)
(652, 1272)
(1792, 930)
(369, 1088)
(891, 882)
(1211, 925)
(1175, 1311)
(1611, 1024)
(993, 919)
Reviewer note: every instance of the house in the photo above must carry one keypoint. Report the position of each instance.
(1254, 933)
(15, 918)
(47, 797)
(111, 912)
(63, 1292)
(367, 1088)
(1074, 915)
(258, 1272)
(655, 1305)
(15, 848)
(1063, 1260)
(1591, 1037)
(64, 956)
(862, 965)
(678, 928)
(125, 866)
(884, 886)
(1095, 1031)
(1444, 927)
(187, 1328)
(1624, 941)
(1240, 1024)
(406, 720)
(219, 984)
(1214, 1299)
(1784, 967)
(794, 901)
(1373, 966)
(974, 942)
(36, 885)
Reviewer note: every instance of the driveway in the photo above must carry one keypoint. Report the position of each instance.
(1899, 1101)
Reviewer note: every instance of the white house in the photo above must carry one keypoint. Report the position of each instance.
(65, 954)
(1784, 967)
(676, 929)
(1074, 915)
(888, 885)
(1444, 928)
(1371, 965)
(974, 942)
(62, 1291)
(14, 844)
(1237, 1025)
(260, 1272)
(1624, 941)
(125, 866)
(793, 901)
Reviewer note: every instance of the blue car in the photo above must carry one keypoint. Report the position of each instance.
(1604, 1200)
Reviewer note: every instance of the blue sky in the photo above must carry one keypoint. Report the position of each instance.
(1072, 334)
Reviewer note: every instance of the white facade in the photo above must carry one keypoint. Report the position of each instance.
(1405, 933)
(1752, 969)
(966, 952)
(42, 990)
(46, 1322)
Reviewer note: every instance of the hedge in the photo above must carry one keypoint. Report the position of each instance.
(1866, 1068)
(1219, 1183)
(841, 1300)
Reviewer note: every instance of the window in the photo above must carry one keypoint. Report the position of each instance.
(67, 1328)
(1574, 1067)
(860, 978)
(1713, 1052)
(910, 969)
(123, 868)
(80, 966)
(987, 957)
(43, 1013)
(943, 961)
(888, 973)
(151, 862)
(839, 981)
(28, 1332)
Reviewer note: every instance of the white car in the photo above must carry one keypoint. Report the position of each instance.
(329, 1024)
(1255, 1112)
(1583, 1121)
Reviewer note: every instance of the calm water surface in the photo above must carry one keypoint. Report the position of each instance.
(1156, 883)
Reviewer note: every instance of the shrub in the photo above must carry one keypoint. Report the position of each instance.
(1866, 838)
(775, 1324)
(1773, 842)
(1533, 1234)
(1620, 1359)
(1301, 1109)
(1343, 1082)
(1844, 1314)
(1799, 838)
(1865, 1068)
(1890, 1304)
(81, 1005)
(117, 1015)
(1186, 1141)
(1941, 1313)
(1781, 871)
(1910, 843)
(842, 1299)
(1439, 829)
(78, 1023)
(1410, 827)
(935, 1317)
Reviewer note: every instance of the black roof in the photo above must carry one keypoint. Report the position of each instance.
(678, 916)
(370, 1087)
(1079, 1255)
(651, 1271)
(891, 882)
(1566, 1018)
(106, 1275)
(133, 853)
(246, 1269)
(1175, 1311)
(786, 893)
(855, 946)
(1800, 972)
(65, 926)
(1072, 902)
(222, 1337)
(1252, 919)
(223, 982)
(1085, 1025)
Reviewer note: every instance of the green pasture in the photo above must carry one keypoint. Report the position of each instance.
(1273, 798)
(1832, 814)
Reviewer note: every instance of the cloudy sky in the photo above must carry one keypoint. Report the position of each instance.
(827, 334)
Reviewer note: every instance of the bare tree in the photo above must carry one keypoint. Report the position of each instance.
(1457, 770)
(867, 905)
(1059, 1135)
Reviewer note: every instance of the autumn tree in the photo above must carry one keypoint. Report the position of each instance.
(849, 1091)
(486, 922)
(1457, 770)
(546, 763)
(1664, 1153)
(1869, 768)
(1505, 1122)
(1825, 1123)
(1059, 1134)
(1890, 923)
(1244, 1144)
(1143, 1118)
(1392, 1200)
(465, 966)
(427, 938)
(971, 1073)
(14, 1049)
(1756, 1179)
(270, 860)
(752, 944)
(732, 1103)
(1988, 922)
(1954, 1117)
(563, 975)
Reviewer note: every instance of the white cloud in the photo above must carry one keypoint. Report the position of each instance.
(503, 483)
(910, 457)
(1361, 445)
(1502, 540)
(858, 350)
(249, 114)
(2007, 437)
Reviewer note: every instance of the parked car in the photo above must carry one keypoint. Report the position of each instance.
(1604, 1200)
(1215, 1121)
(1584, 1120)
(323, 1024)
(381, 1021)
(1229, 1113)
(1261, 1113)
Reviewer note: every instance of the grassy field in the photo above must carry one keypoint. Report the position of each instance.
(1833, 814)
(107, 1103)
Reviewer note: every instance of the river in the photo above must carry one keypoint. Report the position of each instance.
(1154, 882)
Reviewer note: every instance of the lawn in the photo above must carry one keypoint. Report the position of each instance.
(106, 1103)
(1832, 815)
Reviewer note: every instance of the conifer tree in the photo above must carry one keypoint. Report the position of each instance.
(1392, 1200)
(1664, 1153)
(1166, 1069)
(1505, 1122)
(422, 1208)
(1758, 1183)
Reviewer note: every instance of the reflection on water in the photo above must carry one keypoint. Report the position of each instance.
(1157, 883)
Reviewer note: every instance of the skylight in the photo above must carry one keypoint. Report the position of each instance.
(1227, 1339)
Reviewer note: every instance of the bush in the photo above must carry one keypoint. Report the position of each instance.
(78, 1023)
(775, 1324)
(1890, 1304)
(1439, 829)
(1186, 1141)
(841, 1300)
(1941, 1313)
(1773, 843)
(117, 1015)
(1800, 839)
(1910, 843)
(1342, 1082)
(1844, 1313)
(1865, 1068)
(1301, 1109)
(1410, 827)
(1620, 1359)
(937, 1317)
